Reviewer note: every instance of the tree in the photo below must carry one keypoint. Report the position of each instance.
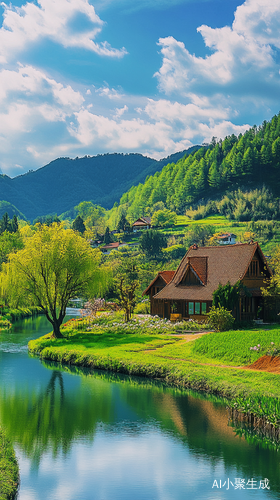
(126, 284)
(199, 235)
(151, 242)
(107, 237)
(227, 296)
(55, 266)
(123, 224)
(163, 218)
(78, 225)
(9, 242)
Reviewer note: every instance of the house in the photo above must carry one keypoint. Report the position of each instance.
(158, 283)
(111, 246)
(189, 293)
(141, 223)
(227, 239)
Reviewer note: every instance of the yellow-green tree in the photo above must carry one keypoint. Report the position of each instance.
(55, 265)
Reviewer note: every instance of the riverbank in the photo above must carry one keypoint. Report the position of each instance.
(162, 355)
(9, 471)
(9, 315)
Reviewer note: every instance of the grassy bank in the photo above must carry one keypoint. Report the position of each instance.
(9, 314)
(155, 352)
(9, 473)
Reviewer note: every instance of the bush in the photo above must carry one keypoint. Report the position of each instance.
(142, 307)
(220, 319)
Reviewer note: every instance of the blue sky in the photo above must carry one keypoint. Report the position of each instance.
(85, 77)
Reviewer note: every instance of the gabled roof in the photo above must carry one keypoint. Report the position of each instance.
(213, 265)
(165, 275)
(141, 221)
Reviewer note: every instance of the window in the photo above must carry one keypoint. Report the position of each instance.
(191, 308)
(203, 308)
(197, 308)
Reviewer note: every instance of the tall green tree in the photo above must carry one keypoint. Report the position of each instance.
(107, 236)
(55, 266)
(151, 242)
(78, 225)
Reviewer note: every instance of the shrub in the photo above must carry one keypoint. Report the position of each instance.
(220, 319)
(142, 307)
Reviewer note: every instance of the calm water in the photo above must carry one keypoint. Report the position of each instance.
(96, 436)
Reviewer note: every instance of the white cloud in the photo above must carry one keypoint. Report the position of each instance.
(111, 93)
(164, 128)
(120, 111)
(54, 20)
(242, 60)
(27, 82)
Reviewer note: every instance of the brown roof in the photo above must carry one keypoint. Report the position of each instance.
(165, 275)
(110, 246)
(142, 221)
(212, 265)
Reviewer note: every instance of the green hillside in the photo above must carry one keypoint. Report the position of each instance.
(65, 182)
(236, 164)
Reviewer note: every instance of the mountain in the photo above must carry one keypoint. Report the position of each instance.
(248, 161)
(66, 182)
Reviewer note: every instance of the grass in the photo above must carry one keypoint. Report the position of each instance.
(164, 356)
(239, 347)
(9, 473)
(11, 315)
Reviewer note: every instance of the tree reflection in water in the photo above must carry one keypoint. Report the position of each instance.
(80, 403)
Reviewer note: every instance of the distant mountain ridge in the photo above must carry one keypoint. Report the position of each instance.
(64, 182)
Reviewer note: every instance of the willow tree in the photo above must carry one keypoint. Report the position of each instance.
(55, 266)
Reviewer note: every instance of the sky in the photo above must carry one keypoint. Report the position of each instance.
(87, 77)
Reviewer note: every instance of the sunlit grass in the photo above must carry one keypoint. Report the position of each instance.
(9, 473)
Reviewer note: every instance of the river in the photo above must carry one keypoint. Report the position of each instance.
(82, 435)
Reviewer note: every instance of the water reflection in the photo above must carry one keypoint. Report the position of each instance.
(85, 435)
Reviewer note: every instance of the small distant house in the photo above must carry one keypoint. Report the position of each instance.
(141, 223)
(111, 246)
(189, 292)
(227, 239)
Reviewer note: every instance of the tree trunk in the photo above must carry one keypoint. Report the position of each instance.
(56, 330)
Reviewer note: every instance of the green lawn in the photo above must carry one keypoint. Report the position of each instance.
(195, 364)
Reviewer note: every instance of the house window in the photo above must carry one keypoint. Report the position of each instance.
(191, 308)
(197, 308)
(203, 308)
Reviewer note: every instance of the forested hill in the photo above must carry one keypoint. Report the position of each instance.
(65, 182)
(248, 161)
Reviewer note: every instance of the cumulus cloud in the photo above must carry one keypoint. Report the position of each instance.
(54, 20)
(164, 127)
(243, 60)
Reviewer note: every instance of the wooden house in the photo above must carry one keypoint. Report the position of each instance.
(189, 293)
(141, 223)
(158, 283)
